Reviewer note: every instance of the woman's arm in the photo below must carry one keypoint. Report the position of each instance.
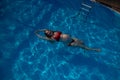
(40, 30)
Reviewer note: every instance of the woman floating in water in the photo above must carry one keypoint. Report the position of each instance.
(59, 36)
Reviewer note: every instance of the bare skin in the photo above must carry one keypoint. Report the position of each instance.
(93, 0)
(80, 44)
(66, 39)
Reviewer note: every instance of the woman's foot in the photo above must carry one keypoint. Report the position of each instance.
(98, 50)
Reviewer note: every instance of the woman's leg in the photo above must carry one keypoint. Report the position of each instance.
(80, 44)
(87, 48)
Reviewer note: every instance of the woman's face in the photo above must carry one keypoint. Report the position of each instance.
(49, 33)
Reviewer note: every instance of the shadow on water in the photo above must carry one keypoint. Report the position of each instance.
(91, 63)
(81, 60)
(6, 64)
(5, 67)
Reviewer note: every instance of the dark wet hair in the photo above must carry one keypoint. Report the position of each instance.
(49, 35)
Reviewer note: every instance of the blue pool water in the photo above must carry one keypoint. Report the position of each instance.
(25, 57)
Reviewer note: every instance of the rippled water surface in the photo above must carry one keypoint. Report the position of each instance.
(25, 57)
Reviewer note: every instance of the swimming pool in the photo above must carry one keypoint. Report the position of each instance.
(25, 57)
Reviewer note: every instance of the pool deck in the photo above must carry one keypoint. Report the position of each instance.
(114, 4)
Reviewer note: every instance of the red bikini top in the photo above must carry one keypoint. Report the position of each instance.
(57, 36)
